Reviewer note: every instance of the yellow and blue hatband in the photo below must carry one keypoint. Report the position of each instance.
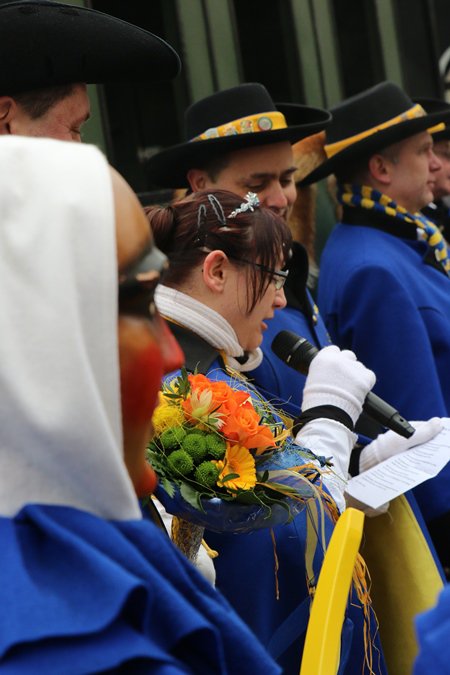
(414, 112)
(251, 124)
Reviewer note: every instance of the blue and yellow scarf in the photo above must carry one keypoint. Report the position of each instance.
(367, 198)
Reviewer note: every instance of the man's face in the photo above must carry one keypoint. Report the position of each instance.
(267, 170)
(62, 121)
(413, 172)
(442, 176)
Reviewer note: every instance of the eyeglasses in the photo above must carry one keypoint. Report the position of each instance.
(137, 286)
(278, 276)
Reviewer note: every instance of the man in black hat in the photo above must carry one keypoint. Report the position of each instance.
(439, 209)
(384, 286)
(49, 51)
(239, 140)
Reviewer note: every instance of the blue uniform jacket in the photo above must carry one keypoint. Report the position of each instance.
(246, 568)
(380, 298)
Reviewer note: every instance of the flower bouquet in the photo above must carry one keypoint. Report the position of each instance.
(217, 452)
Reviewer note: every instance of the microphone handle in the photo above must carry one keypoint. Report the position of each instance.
(381, 412)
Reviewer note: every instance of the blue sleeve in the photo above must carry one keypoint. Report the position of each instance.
(433, 630)
(378, 319)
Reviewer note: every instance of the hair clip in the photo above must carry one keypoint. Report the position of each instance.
(217, 208)
(250, 204)
(202, 232)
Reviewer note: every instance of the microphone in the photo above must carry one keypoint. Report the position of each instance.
(298, 353)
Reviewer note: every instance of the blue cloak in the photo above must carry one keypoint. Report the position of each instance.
(83, 595)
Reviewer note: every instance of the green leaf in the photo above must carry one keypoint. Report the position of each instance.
(172, 395)
(229, 476)
(158, 461)
(168, 486)
(305, 491)
(191, 496)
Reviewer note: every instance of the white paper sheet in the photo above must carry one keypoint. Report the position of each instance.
(401, 473)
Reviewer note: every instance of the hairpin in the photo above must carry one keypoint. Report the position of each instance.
(217, 208)
(250, 204)
(202, 216)
(201, 233)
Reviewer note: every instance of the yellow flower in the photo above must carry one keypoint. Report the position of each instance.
(240, 461)
(166, 415)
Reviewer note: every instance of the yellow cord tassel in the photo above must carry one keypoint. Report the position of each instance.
(187, 537)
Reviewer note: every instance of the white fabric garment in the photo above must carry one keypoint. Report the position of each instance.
(207, 323)
(328, 438)
(60, 422)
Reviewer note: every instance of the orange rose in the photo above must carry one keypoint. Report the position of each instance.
(263, 440)
(241, 425)
(242, 398)
(222, 392)
(228, 408)
(199, 383)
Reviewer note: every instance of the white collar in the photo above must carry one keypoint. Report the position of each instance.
(207, 323)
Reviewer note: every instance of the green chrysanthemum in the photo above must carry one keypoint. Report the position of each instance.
(172, 438)
(207, 474)
(195, 446)
(216, 446)
(180, 462)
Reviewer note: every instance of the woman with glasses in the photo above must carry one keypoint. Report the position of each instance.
(224, 282)
(225, 270)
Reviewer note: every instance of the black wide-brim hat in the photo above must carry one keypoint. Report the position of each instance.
(370, 121)
(231, 109)
(435, 105)
(48, 43)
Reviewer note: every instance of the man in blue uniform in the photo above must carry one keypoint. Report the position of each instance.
(384, 287)
(438, 210)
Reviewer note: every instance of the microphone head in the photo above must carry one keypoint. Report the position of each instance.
(294, 350)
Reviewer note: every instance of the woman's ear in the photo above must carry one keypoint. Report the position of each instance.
(215, 270)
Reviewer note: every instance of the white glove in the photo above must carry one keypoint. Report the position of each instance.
(337, 378)
(390, 443)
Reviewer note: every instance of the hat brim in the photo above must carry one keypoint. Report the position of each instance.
(432, 105)
(47, 43)
(442, 135)
(377, 141)
(169, 168)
